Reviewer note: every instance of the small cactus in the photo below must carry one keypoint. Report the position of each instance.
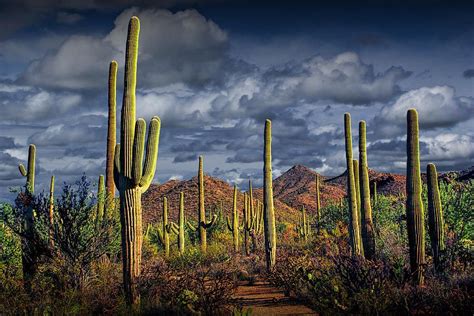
(368, 234)
(354, 228)
(233, 225)
(435, 216)
(269, 211)
(318, 201)
(414, 204)
(51, 212)
(303, 228)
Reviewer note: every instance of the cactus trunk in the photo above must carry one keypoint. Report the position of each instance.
(165, 228)
(51, 212)
(435, 217)
(181, 223)
(357, 183)
(203, 225)
(100, 200)
(354, 228)
(234, 225)
(318, 202)
(269, 212)
(131, 178)
(111, 132)
(368, 235)
(414, 204)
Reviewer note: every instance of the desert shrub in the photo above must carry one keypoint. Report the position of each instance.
(10, 251)
(333, 214)
(205, 288)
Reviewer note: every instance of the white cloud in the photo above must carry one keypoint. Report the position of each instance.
(449, 146)
(437, 106)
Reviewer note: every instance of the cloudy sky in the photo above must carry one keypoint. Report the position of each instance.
(214, 70)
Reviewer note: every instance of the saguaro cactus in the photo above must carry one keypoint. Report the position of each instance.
(28, 257)
(354, 228)
(234, 225)
(303, 228)
(30, 173)
(357, 182)
(435, 216)
(181, 223)
(163, 233)
(269, 212)
(414, 204)
(203, 224)
(318, 201)
(111, 131)
(368, 235)
(100, 199)
(51, 212)
(248, 224)
(131, 178)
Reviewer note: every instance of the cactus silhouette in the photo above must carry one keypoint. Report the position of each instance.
(269, 211)
(130, 177)
(233, 225)
(414, 204)
(111, 131)
(354, 228)
(368, 235)
(435, 216)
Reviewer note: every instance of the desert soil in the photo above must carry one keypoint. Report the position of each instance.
(264, 299)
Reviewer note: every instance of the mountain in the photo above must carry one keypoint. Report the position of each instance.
(216, 191)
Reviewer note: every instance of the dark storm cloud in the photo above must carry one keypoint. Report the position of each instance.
(185, 158)
(468, 73)
(7, 142)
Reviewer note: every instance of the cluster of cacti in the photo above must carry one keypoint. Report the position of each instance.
(414, 204)
(368, 234)
(435, 216)
(354, 228)
(203, 224)
(303, 228)
(130, 176)
(269, 211)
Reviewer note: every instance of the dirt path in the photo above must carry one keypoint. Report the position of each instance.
(264, 299)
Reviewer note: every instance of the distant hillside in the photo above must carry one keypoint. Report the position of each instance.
(216, 190)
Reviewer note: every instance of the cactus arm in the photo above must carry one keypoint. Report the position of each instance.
(191, 227)
(117, 166)
(211, 223)
(229, 225)
(151, 153)
(138, 149)
(22, 169)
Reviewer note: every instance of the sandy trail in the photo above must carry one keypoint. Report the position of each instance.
(264, 299)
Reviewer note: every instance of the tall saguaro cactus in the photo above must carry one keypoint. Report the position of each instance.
(269, 212)
(354, 228)
(131, 178)
(368, 234)
(51, 212)
(234, 225)
(435, 216)
(28, 257)
(181, 223)
(111, 131)
(318, 201)
(357, 182)
(414, 204)
(203, 225)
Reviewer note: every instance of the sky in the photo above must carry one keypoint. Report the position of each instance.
(215, 70)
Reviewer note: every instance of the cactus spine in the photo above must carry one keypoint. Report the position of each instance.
(368, 237)
(202, 223)
(131, 178)
(269, 212)
(435, 216)
(111, 132)
(414, 204)
(234, 225)
(354, 229)
(318, 201)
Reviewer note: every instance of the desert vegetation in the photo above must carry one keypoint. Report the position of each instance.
(148, 250)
